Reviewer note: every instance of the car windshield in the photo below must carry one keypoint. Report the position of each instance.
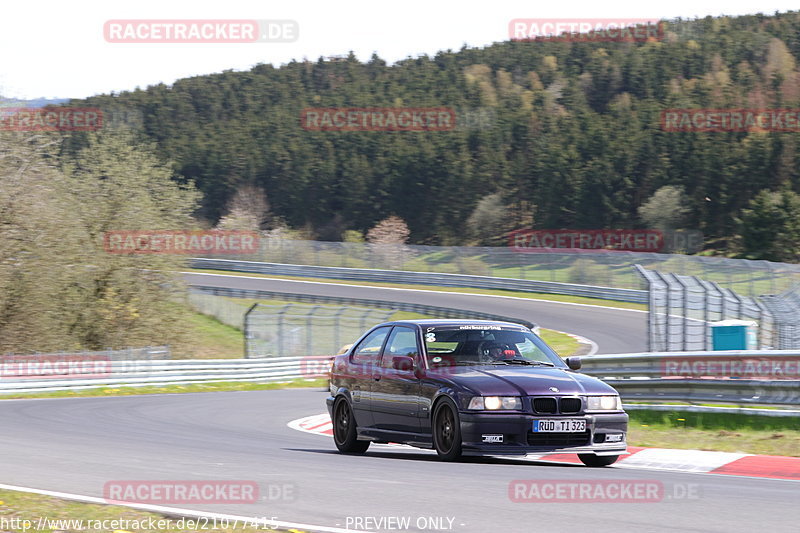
(455, 345)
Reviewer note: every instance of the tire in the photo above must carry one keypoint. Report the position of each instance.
(446, 430)
(345, 435)
(596, 461)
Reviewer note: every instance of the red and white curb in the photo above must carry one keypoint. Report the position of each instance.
(693, 461)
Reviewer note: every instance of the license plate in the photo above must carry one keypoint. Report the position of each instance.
(560, 425)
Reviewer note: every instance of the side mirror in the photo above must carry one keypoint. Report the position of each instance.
(573, 362)
(402, 362)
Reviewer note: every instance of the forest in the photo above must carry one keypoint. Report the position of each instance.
(548, 134)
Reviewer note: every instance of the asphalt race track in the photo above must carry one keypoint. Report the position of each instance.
(614, 330)
(77, 445)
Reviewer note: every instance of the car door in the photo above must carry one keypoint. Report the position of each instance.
(364, 359)
(395, 393)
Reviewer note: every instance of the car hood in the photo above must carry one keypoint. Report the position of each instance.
(492, 380)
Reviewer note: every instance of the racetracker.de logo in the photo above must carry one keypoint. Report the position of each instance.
(586, 30)
(632, 240)
(181, 242)
(50, 119)
(54, 366)
(748, 367)
(378, 119)
(181, 492)
(201, 31)
(730, 120)
(588, 491)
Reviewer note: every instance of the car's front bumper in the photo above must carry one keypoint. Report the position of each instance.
(519, 439)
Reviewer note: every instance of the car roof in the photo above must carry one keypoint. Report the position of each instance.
(432, 322)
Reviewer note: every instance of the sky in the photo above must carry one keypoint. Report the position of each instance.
(57, 49)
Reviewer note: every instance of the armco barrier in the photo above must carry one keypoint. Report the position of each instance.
(430, 310)
(176, 372)
(423, 278)
(660, 377)
(646, 387)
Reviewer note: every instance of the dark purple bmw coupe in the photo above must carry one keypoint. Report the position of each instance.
(471, 387)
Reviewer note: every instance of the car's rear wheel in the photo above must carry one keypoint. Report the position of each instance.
(345, 435)
(446, 431)
(590, 459)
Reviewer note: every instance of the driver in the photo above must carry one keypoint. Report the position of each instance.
(499, 351)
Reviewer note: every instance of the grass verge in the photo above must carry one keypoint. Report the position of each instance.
(720, 432)
(25, 512)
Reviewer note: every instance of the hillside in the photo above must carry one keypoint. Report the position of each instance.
(567, 134)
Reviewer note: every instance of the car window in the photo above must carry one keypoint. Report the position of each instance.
(402, 341)
(472, 344)
(369, 349)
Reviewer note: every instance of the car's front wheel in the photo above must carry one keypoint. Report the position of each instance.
(590, 459)
(345, 435)
(446, 431)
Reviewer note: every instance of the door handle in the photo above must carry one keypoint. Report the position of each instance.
(377, 378)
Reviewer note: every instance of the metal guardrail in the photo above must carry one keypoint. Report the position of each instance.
(175, 372)
(430, 310)
(423, 278)
(643, 386)
(675, 376)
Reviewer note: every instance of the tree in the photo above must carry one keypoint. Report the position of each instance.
(490, 220)
(387, 240)
(391, 230)
(248, 209)
(769, 228)
(666, 209)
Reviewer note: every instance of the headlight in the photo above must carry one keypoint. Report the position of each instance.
(494, 403)
(604, 403)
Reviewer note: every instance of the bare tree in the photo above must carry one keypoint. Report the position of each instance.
(391, 230)
(387, 240)
(248, 209)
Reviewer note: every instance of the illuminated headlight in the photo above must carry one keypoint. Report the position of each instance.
(494, 403)
(604, 403)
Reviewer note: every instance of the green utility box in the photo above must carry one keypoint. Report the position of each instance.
(734, 335)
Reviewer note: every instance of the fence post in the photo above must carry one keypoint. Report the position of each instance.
(246, 329)
(337, 341)
(685, 312)
(280, 328)
(310, 329)
(650, 303)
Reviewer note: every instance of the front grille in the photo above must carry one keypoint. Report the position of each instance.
(558, 439)
(544, 405)
(570, 405)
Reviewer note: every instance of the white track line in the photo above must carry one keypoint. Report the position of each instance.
(175, 511)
